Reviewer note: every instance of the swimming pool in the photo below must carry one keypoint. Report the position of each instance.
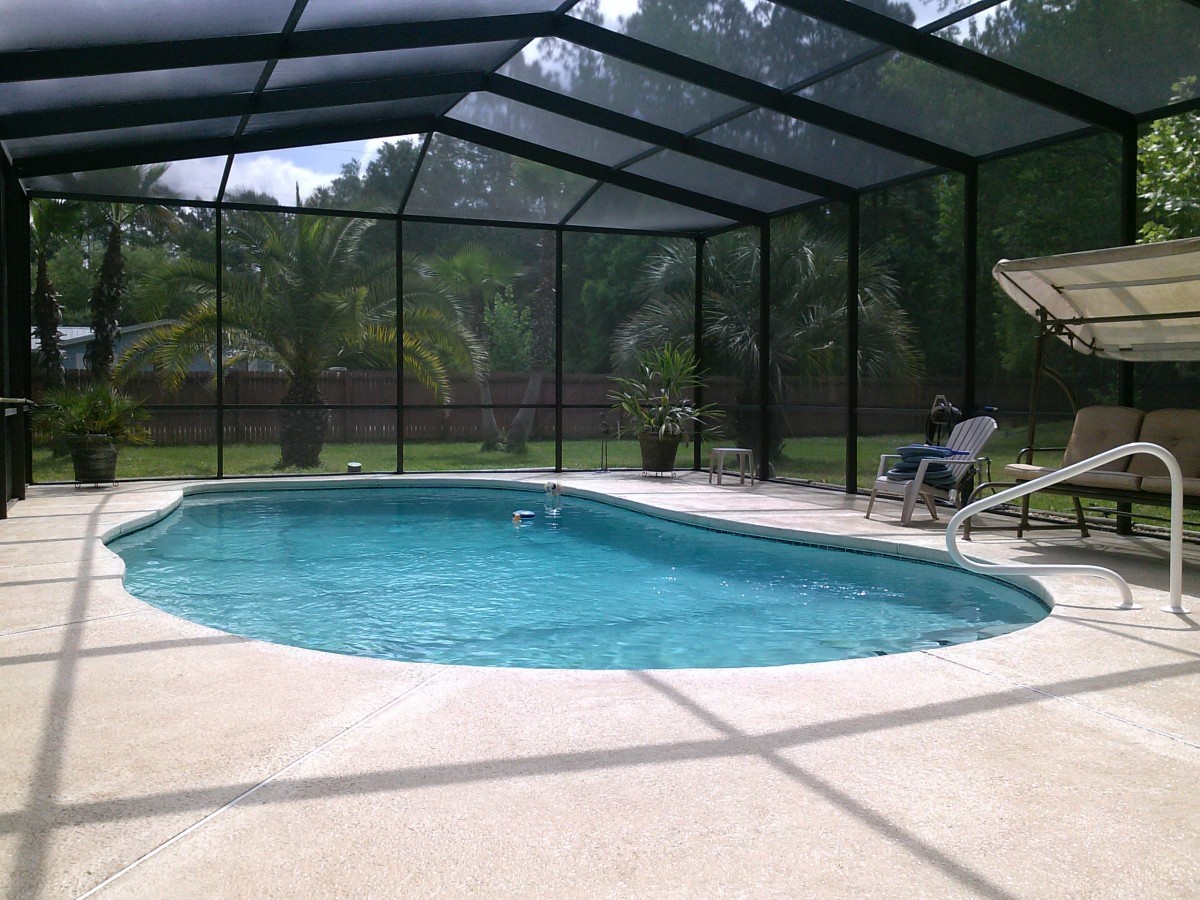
(445, 574)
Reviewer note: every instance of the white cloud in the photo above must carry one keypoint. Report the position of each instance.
(195, 179)
(277, 176)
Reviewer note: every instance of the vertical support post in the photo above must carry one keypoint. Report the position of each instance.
(853, 238)
(970, 288)
(400, 344)
(558, 349)
(1129, 233)
(219, 337)
(698, 345)
(764, 349)
(15, 379)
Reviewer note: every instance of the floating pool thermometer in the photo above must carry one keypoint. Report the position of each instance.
(552, 505)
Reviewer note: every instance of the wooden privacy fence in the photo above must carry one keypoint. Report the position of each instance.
(884, 408)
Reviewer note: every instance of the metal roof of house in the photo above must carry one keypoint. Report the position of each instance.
(658, 115)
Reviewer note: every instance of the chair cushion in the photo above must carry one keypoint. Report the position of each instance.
(1100, 428)
(1097, 478)
(1161, 484)
(1025, 471)
(1178, 430)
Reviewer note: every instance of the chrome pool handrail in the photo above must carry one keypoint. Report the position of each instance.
(1036, 484)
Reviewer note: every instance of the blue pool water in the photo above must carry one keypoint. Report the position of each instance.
(436, 574)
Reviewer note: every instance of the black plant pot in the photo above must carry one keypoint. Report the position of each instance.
(658, 453)
(95, 459)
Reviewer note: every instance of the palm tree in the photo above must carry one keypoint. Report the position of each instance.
(49, 219)
(808, 313)
(134, 182)
(475, 276)
(307, 300)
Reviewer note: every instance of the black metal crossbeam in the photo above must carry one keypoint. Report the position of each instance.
(749, 91)
(944, 53)
(639, 129)
(589, 169)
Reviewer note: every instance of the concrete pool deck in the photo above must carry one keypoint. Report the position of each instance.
(145, 756)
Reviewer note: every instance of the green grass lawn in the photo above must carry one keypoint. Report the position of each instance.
(818, 459)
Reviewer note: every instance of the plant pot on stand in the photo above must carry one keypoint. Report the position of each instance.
(658, 452)
(94, 457)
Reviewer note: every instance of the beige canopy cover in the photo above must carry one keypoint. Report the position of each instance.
(1138, 304)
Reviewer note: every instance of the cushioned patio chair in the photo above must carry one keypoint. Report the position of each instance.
(937, 475)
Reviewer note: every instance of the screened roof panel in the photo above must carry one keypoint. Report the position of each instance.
(390, 64)
(503, 187)
(188, 179)
(533, 124)
(131, 138)
(347, 13)
(37, 24)
(764, 41)
(391, 112)
(614, 207)
(939, 105)
(809, 148)
(917, 13)
(1030, 72)
(718, 181)
(629, 89)
(1086, 46)
(164, 84)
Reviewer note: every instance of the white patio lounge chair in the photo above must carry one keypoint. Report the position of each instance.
(968, 437)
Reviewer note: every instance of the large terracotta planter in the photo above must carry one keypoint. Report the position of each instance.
(658, 453)
(95, 459)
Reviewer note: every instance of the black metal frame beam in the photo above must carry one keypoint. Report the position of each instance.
(956, 58)
(221, 106)
(747, 90)
(589, 169)
(185, 148)
(666, 138)
(150, 56)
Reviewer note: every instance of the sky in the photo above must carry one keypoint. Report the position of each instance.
(277, 172)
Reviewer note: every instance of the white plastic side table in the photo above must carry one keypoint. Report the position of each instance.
(718, 456)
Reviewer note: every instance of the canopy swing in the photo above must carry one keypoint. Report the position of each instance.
(1133, 304)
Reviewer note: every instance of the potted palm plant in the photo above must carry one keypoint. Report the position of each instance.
(655, 400)
(92, 422)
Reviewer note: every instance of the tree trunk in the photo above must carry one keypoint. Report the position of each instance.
(106, 307)
(522, 423)
(541, 322)
(491, 431)
(47, 316)
(303, 427)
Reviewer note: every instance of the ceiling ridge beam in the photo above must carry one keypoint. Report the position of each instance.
(149, 56)
(748, 90)
(558, 159)
(969, 63)
(666, 138)
(217, 106)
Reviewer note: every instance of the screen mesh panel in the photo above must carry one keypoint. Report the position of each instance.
(614, 207)
(35, 24)
(718, 181)
(939, 105)
(503, 187)
(533, 124)
(810, 148)
(1133, 55)
(346, 13)
(764, 41)
(635, 91)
